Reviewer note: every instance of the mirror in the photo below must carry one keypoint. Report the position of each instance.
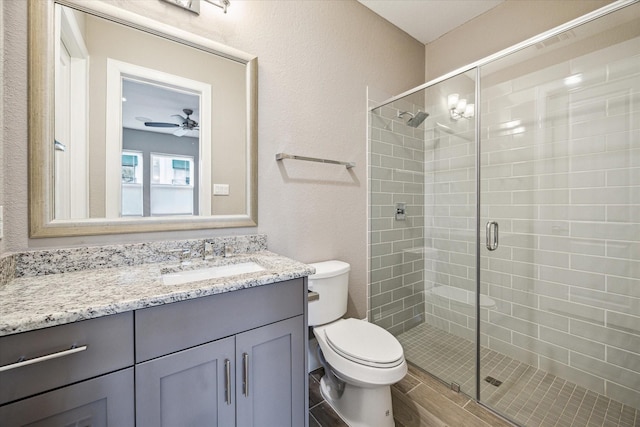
(136, 125)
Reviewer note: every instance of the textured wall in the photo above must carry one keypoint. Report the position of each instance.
(316, 60)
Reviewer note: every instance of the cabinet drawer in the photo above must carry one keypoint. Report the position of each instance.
(106, 401)
(109, 346)
(172, 327)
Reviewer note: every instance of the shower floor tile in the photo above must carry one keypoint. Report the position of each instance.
(529, 395)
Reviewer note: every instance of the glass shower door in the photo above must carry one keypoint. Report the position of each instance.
(444, 342)
(560, 224)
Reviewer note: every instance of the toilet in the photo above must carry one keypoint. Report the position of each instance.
(361, 360)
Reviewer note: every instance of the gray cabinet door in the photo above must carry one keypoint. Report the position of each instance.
(105, 401)
(190, 388)
(270, 373)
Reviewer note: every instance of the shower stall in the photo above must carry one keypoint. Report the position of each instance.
(504, 224)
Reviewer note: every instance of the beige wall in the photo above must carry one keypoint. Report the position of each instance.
(503, 26)
(315, 59)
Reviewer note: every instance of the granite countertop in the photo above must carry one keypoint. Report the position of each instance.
(28, 303)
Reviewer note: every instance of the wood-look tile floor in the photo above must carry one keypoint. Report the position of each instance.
(419, 400)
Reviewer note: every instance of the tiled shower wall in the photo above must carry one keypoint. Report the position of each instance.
(561, 175)
(396, 176)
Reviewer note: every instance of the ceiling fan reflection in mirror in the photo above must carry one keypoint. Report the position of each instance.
(186, 123)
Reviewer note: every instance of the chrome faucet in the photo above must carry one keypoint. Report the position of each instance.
(207, 252)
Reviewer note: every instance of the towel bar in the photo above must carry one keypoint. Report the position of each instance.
(281, 156)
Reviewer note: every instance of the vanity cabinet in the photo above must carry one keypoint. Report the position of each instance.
(250, 380)
(235, 359)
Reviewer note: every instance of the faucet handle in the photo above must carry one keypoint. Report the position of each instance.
(228, 250)
(184, 254)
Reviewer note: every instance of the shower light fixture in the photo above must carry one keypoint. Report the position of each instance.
(573, 79)
(459, 109)
(222, 4)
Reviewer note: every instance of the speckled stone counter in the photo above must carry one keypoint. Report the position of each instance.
(30, 302)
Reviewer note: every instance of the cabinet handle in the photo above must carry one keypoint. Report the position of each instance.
(227, 381)
(245, 374)
(22, 363)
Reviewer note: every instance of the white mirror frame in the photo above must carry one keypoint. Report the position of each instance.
(41, 128)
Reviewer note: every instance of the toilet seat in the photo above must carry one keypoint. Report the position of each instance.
(353, 370)
(364, 343)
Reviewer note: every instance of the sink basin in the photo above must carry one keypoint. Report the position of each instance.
(180, 277)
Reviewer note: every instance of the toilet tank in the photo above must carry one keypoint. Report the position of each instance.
(331, 282)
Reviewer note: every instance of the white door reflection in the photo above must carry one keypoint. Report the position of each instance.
(160, 149)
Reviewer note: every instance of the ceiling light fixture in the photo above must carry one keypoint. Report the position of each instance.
(190, 5)
(459, 109)
(222, 4)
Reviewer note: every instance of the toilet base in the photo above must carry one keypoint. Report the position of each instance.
(362, 407)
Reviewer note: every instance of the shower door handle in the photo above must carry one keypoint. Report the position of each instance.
(492, 235)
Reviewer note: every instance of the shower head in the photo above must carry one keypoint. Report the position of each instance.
(416, 119)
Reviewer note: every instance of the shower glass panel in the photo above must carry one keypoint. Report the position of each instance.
(560, 180)
(423, 275)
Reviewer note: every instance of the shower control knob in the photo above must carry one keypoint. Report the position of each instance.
(401, 211)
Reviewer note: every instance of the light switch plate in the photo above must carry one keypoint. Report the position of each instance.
(220, 189)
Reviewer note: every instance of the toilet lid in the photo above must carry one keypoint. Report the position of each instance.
(364, 343)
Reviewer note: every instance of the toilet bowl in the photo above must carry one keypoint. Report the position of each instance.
(361, 359)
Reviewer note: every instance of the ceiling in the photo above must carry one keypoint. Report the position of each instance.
(427, 20)
(148, 102)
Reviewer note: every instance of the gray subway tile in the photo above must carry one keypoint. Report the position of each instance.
(626, 359)
(513, 323)
(551, 351)
(541, 317)
(604, 335)
(572, 342)
(606, 300)
(572, 310)
(607, 371)
(624, 322)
